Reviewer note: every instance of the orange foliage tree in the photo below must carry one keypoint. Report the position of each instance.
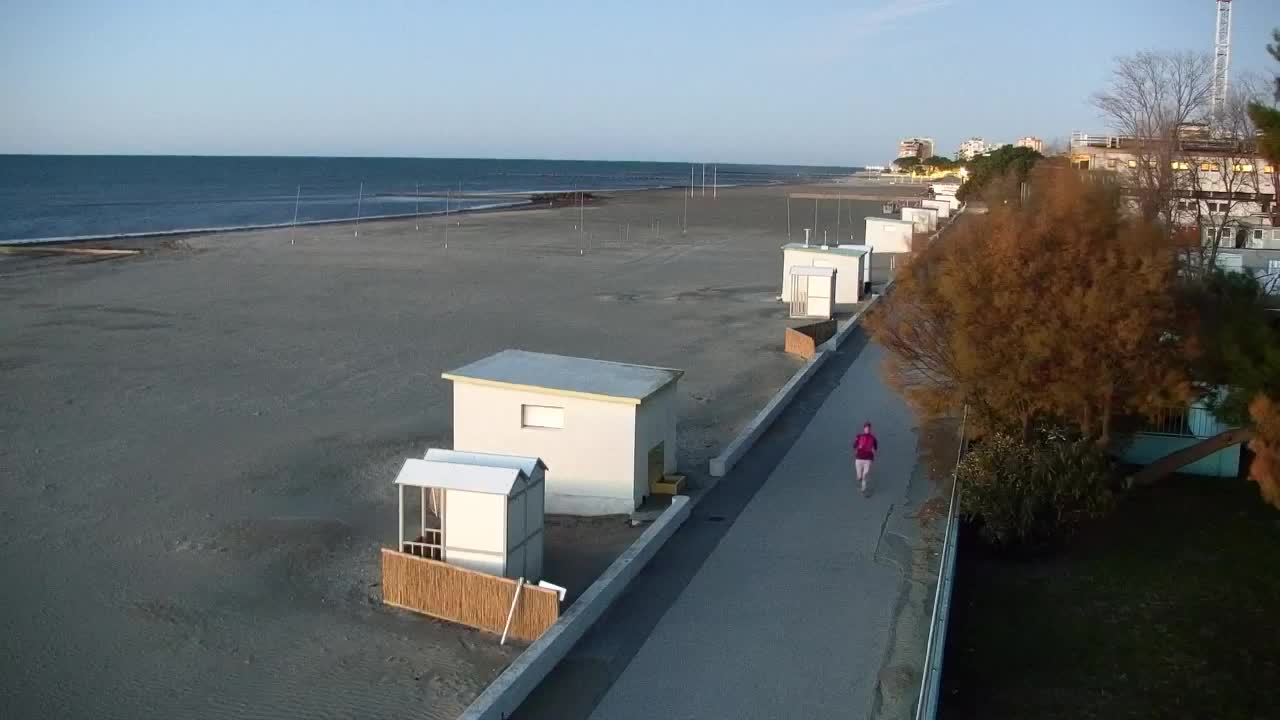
(1059, 308)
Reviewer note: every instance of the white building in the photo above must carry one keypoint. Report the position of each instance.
(605, 429)
(945, 189)
(889, 235)
(916, 147)
(1034, 143)
(852, 265)
(971, 148)
(1216, 182)
(486, 510)
(924, 219)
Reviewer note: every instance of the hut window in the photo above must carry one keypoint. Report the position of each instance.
(541, 416)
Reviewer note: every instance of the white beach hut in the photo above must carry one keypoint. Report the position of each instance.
(487, 512)
(924, 219)
(942, 206)
(851, 263)
(813, 292)
(607, 429)
(889, 235)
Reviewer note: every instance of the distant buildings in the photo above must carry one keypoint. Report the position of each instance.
(1033, 143)
(971, 148)
(916, 147)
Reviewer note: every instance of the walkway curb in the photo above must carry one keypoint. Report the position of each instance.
(508, 690)
(721, 464)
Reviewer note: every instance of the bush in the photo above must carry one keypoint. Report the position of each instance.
(1033, 494)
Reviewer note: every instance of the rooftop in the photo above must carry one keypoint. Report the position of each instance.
(830, 249)
(814, 271)
(898, 221)
(490, 480)
(526, 465)
(564, 375)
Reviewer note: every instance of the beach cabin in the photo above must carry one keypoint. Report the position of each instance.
(813, 292)
(478, 511)
(851, 264)
(924, 219)
(945, 188)
(607, 430)
(942, 206)
(889, 235)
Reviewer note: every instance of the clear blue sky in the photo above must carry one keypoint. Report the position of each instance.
(831, 82)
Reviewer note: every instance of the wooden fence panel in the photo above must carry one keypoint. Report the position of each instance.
(464, 596)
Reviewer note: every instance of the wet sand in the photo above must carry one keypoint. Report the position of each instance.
(200, 440)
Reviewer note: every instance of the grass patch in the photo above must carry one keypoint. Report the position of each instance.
(1168, 608)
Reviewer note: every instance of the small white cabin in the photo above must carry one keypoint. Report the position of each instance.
(889, 235)
(483, 512)
(925, 220)
(850, 263)
(607, 429)
(813, 292)
(942, 206)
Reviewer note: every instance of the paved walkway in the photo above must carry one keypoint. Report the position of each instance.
(790, 614)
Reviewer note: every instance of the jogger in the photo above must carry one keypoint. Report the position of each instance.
(865, 446)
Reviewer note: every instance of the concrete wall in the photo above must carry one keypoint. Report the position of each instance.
(1145, 449)
(591, 460)
(655, 423)
(888, 237)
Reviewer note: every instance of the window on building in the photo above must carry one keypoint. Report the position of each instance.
(1242, 167)
(1208, 166)
(1268, 169)
(1111, 163)
(541, 416)
(1257, 235)
(1180, 165)
(1133, 163)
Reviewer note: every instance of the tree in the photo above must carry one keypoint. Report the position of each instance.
(1056, 310)
(1267, 121)
(907, 164)
(938, 162)
(1152, 98)
(984, 169)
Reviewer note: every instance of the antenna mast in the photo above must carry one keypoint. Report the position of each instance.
(1221, 58)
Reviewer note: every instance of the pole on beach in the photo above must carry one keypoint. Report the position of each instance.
(582, 221)
(684, 218)
(415, 206)
(815, 216)
(715, 182)
(446, 219)
(788, 217)
(359, 203)
(704, 179)
(837, 219)
(296, 199)
(690, 193)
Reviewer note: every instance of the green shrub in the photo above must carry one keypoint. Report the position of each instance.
(1033, 494)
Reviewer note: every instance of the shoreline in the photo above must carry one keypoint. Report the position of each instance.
(529, 203)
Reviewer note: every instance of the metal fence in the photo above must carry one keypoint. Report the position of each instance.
(931, 677)
(1174, 421)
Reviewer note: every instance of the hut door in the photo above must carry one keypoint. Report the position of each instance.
(799, 295)
(657, 461)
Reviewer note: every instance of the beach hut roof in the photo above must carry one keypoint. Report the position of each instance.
(564, 375)
(459, 476)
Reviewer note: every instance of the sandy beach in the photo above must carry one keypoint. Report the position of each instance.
(200, 440)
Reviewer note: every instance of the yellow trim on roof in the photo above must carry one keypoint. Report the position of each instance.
(548, 391)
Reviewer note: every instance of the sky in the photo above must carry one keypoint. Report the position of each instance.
(823, 83)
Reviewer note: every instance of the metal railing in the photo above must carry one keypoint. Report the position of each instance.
(931, 677)
(1174, 421)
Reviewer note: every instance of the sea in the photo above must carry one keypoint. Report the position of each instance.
(63, 197)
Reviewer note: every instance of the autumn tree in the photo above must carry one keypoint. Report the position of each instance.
(1058, 309)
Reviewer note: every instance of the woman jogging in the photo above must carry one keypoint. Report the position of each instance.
(864, 452)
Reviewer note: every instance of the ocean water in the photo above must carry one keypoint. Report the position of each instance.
(68, 196)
